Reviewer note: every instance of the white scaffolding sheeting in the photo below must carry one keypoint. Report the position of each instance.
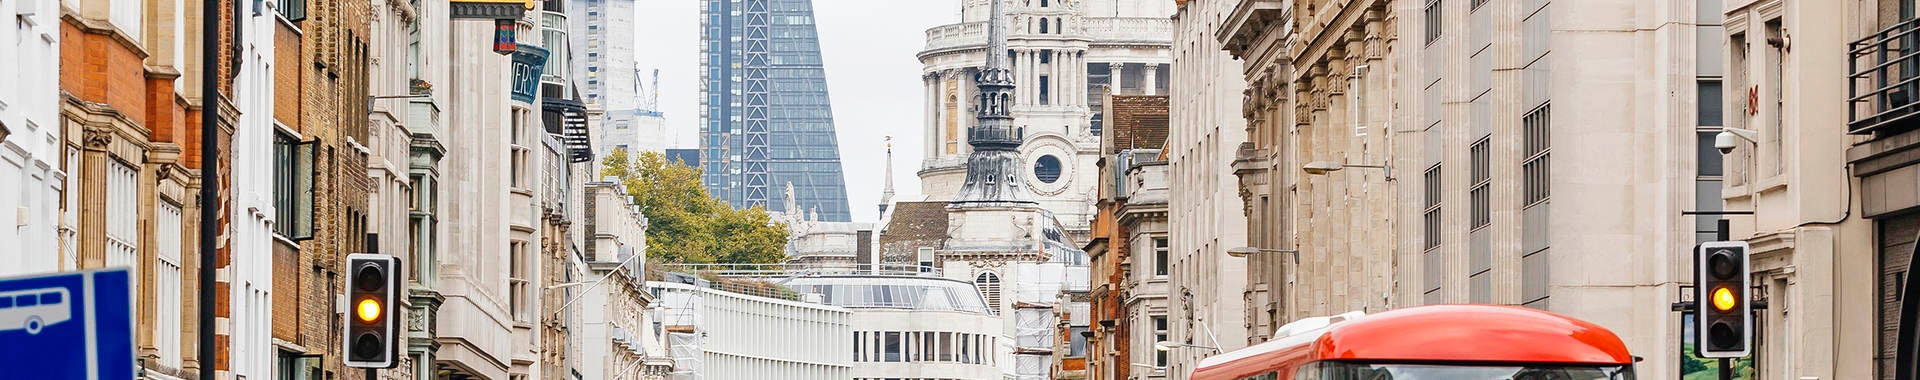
(1032, 367)
(1081, 314)
(1076, 278)
(1033, 329)
(685, 348)
(1039, 283)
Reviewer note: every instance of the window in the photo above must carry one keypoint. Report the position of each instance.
(1710, 103)
(123, 215)
(1478, 3)
(293, 187)
(946, 347)
(1536, 131)
(518, 282)
(1159, 335)
(966, 356)
(1433, 221)
(1047, 167)
(892, 347)
(989, 285)
(1076, 342)
(128, 15)
(167, 292)
(518, 151)
(1772, 156)
(1045, 95)
(1043, 30)
(293, 10)
(926, 258)
(1433, 20)
(1160, 258)
(1482, 173)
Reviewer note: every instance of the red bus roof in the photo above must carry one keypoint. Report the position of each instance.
(1441, 333)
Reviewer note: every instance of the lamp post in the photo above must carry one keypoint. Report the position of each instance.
(1324, 167)
(1248, 251)
(1169, 346)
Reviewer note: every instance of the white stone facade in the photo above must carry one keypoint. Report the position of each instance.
(616, 327)
(1204, 292)
(252, 211)
(1063, 52)
(30, 138)
(1811, 215)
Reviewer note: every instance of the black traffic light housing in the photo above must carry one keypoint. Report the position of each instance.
(1724, 318)
(372, 334)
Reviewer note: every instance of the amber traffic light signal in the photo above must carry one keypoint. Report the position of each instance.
(372, 287)
(1724, 321)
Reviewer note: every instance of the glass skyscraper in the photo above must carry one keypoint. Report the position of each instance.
(766, 120)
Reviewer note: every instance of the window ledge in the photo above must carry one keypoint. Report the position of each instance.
(284, 240)
(1771, 184)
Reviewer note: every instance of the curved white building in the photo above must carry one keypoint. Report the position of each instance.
(1063, 55)
(915, 327)
(721, 335)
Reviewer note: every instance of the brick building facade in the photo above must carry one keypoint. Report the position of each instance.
(321, 111)
(131, 107)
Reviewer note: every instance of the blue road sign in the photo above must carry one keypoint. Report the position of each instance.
(67, 325)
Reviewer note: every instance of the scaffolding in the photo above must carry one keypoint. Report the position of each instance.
(1038, 291)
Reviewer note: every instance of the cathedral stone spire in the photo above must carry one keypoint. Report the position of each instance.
(886, 194)
(993, 169)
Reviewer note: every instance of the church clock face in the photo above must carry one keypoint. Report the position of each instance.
(1049, 168)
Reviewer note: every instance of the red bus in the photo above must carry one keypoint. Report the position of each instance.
(1450, 342)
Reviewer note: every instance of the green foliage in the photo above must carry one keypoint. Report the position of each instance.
(687, 226)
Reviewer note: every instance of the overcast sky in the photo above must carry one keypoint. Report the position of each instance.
(868, 47)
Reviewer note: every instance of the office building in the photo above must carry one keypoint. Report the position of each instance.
(766, 120)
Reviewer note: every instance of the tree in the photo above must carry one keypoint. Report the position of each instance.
(685, 225)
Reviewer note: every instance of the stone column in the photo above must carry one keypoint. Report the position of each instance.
(1027, 81)
(1147, 84)
(93, 196)
(968, 99)
(933, 106)
(1115, 77)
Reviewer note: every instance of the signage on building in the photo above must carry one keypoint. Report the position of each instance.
(67, 325)
(528, 62)
(503, 41)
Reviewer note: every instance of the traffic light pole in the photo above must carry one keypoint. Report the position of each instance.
(209, 179)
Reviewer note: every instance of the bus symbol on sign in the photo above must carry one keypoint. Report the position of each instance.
(34, 309)
(68, 325)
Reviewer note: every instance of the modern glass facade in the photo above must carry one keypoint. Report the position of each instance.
(766, 120)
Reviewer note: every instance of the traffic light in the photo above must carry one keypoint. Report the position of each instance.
(372, 334)
(1724, 318)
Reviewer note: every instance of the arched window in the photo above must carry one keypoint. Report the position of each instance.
(1043, 26)
(1043, 3)
(989, 285)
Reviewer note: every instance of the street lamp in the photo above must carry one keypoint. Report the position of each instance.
(1169, 346)
(1248, 251)
(1324, 167)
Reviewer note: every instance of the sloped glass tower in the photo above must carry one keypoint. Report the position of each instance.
(766, 120)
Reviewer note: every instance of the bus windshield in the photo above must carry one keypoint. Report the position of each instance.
(1388, 371)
